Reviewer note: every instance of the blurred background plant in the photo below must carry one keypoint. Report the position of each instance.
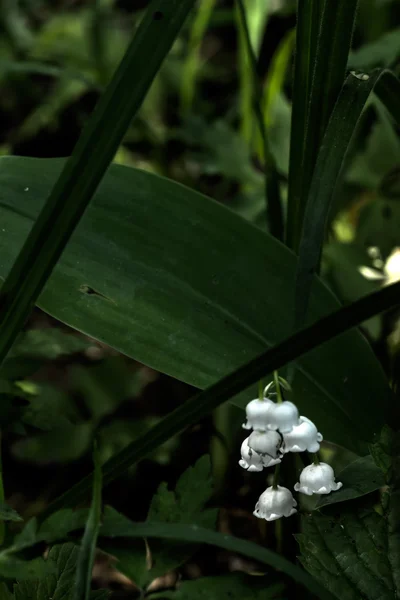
(198, 127)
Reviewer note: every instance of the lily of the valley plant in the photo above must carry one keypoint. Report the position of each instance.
(277, 430)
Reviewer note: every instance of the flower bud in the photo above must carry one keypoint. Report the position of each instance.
(251, 460)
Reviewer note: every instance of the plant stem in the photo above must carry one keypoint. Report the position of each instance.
(2, 499)
(315, 458)
(278, 387)
(276, 476)
(261, 390)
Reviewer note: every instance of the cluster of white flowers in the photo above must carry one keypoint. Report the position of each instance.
(278, 429)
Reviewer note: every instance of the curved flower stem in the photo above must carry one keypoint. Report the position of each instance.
(316, 458)
(276, 476)
(278, 386)
(261, 390)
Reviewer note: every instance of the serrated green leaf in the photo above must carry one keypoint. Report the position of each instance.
(59, 584)
(237, 586)
(349, 553)
(359, 478)
(9, 514)
(183, 505)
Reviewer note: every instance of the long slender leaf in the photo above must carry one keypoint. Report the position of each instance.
(308, 23)
(203, 403)
(199, 535)
(87, 551)
(272, 192)
(341, 130)
(331, 159)
(328, 71)
(84, 170)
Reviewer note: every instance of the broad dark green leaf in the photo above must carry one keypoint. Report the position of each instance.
(87, 551)
(160, 274)
(349, 553)
(71, 193)
(322, 80)
(236, 586)
(196, 534)
(359, 478)
(201, 404)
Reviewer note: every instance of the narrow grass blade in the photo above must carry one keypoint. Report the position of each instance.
(84, 170)
(204, 402)
(341, 130)
(337, 141)
(324, 74)
(199, 535)
(272, 193)
(87, 552)
(193, 60)
(308, 23)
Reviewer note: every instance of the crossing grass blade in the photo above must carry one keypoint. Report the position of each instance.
(87, 165)
(89, 541)
(204, 402)
(324, 35)
(195, 534)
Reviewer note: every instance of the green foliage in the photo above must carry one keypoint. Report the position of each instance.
(9, 514)
(225, 587)
(349, 553)
(87, 551)
(186, 504)
(359, 478)
(383, 52)
(205, 313)
(57, 585)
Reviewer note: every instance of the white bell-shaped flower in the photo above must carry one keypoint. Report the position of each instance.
(317, 479)
(251, 460)
(283, 416)
(275, 503)
(267, 444)
(304, 436)
(256, 413)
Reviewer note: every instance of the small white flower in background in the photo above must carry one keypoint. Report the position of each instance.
(388, 272)
(267, 444)
(250, 460)
(283, 416)
(304, 436)
(275, 503)
(317, 479)
(257, 414)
